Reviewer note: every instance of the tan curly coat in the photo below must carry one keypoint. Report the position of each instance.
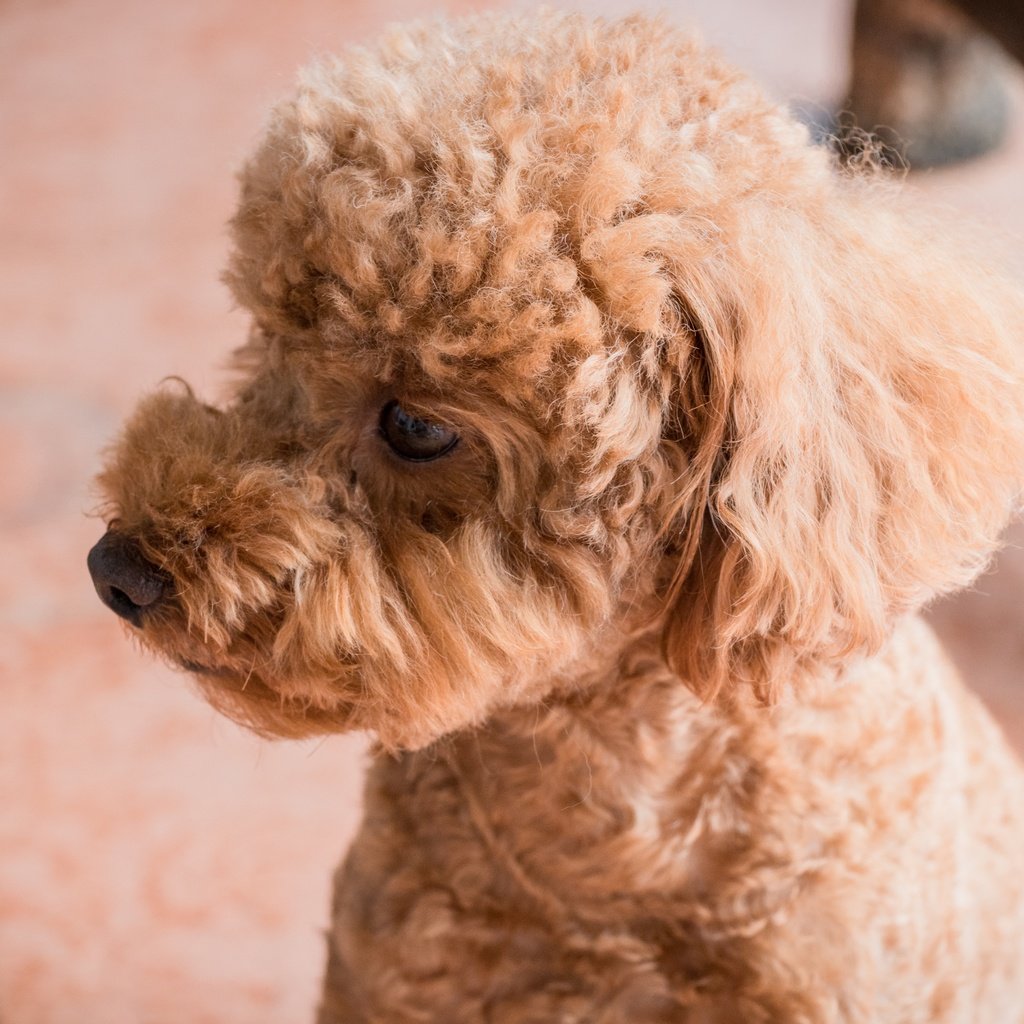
(662, 738)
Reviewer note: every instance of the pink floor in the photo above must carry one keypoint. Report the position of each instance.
(157, 864)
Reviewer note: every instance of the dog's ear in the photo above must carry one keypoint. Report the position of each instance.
(849, 397)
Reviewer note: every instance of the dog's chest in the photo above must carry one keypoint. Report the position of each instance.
(653, 863)
(551, 873)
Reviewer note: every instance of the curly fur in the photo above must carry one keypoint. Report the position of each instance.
(668, 742)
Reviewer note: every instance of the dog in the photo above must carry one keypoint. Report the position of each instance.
(595, 445)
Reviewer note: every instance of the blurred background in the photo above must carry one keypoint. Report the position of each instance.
(156, 863)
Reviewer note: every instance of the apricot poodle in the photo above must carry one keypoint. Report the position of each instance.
(597, 442)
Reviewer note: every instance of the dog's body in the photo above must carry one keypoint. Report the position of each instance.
(597, 444)
(632, 856)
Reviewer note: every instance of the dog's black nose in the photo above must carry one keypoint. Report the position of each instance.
(125, 581)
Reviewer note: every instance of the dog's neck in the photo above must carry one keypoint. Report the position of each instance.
(632, 786)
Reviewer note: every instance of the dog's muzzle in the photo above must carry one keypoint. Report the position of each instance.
(126, 583)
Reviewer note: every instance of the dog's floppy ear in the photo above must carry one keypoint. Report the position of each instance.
(849, 396)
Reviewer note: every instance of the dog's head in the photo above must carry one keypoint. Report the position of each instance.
(562, 334)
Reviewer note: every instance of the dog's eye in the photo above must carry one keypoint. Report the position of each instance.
(412, 438)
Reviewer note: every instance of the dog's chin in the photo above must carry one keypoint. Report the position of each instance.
(241, 684)
(279, 710)
(266, 707)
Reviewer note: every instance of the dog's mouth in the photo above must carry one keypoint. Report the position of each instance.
(249, 681)
(199, 668)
